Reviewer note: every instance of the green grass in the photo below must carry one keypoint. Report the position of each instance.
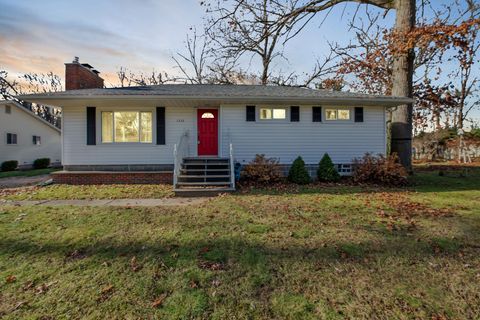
(316, 254)
(68, 192)
(26, 173)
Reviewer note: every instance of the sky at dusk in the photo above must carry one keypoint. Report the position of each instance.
(40, 36)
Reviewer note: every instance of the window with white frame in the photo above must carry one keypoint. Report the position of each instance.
(37, 140)
(337, 114)
(126, 126)
(11, 138)
(273, 113)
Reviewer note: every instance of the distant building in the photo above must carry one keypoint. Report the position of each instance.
(26, 137)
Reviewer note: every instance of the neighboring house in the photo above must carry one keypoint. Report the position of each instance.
(26, 136)
(185, 129)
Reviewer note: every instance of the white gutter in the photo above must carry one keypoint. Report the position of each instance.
(383, 101)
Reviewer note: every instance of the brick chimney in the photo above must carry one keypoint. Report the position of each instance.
(81, 76)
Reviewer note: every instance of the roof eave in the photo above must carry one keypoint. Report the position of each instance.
(16, 104)
(380, 101)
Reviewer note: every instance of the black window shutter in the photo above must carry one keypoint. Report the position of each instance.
(34, 139)
(160, 125)
(250, 113)
(294, 113)
(358, 114)
(91, 124)
(9, 138)
(317, 114)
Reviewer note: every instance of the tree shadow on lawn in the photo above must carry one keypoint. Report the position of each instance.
(223, 251)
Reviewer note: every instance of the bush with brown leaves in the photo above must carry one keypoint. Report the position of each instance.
(380, 170)
(261, 171)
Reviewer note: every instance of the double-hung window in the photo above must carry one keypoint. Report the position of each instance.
(273, 113)
(37, 140)
(11, 138)
(127, 126)
(337, 114)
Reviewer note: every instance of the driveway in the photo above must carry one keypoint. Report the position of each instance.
(15, 182)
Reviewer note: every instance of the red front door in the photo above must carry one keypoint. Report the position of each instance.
(207, 127)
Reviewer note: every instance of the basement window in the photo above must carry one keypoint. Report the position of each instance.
(126, 126)
(273, 113)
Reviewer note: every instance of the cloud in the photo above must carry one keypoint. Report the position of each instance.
(35, 42)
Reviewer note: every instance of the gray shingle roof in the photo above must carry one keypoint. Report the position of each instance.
(223, 92)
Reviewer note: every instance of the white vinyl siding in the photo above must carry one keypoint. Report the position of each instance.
(26, 126)
(342, 140)
(77, 152)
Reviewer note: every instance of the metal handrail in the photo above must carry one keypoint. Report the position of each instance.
(232, 168)
(180, 151)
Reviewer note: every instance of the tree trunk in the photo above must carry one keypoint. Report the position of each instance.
(401, 135)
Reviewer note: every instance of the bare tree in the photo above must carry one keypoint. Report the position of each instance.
(193, 63)
(467, 56)
(33, 83)
(249, 29)
(128, 78)
(8, 88)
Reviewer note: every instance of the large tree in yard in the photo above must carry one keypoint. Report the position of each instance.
(403, 62)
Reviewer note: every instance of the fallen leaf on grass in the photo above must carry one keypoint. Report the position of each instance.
(21, 216)
(105, 293)
(204, 250)
(159, 301)
(215, 266)
(28, 285)
(107, 289)
(19, 305)
(75, 255)
(10, 279)
(134, 265)
(44, 287)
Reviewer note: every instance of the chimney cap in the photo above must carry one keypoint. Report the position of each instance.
(87, 65)
(95, 71)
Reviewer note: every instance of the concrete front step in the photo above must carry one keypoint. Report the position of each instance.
(203, 176)
(205, 170)
(204, 184)
(205, 165)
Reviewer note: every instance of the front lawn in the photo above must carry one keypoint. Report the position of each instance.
(330, 253)
(68, 192)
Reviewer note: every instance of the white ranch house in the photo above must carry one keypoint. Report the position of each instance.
(136, 133)
(27, 137)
